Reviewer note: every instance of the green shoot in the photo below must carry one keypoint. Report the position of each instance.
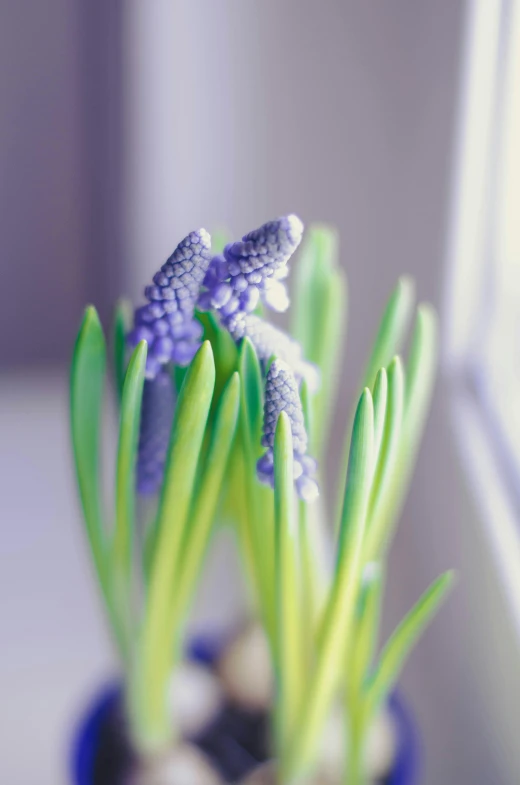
(124, 533)
(153, 664)
(120, 329)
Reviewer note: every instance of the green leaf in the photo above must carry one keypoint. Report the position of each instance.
(289, 635)
(420, 377)
(317, 260)
(359, 481)
(219, 239)
(158, 632)
(386, 474)
(366, 632)
(392, 328)
(257, 530)
(335, 633)
(319, 321)
(122, 556)
(121, 328)
(404, 639)
(226, 359)
(251, 393)
(388, 341)
(380, 394)
(196, 536)
(179, 374)
(86, 397)
(306, 401)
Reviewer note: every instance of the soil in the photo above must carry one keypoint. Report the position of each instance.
(235, 743)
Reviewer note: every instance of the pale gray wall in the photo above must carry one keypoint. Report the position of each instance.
(60, 143)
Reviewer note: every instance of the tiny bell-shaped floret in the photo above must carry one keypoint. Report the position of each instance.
(157, 410)
(167, 321)
(281, 395)
(253, 267)
(270, 341)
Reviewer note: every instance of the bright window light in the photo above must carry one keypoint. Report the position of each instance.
(482, 314)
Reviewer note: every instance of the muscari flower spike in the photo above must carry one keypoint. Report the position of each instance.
(281, 395)
(167, 321)
(252, 268)
(270, 341)
(157, 410)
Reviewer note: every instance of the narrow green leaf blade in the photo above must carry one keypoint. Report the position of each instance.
(319, 321)
(380, 394)
(404, 639)
(86, 396)
(392, 328)
(257, 531)
(420, 374)
(121, 327)
(383, 489)
(388, 341)
(251, 392)
(202, 516)
(359, 481)
(289, 637)
(334, 637)
(86, 399)
(157, 642)
(130, 418)
(318, 258)
(419, 382)
(366, 631)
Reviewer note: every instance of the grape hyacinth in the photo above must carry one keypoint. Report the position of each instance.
(167, 321)
(281, 394)
(252, 268)
(270, 341)
(156, 421)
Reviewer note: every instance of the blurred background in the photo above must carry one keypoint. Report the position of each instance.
(126, 124)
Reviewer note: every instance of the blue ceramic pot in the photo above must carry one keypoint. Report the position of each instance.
(86, 741)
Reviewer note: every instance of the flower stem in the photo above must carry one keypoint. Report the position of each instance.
(355, 773)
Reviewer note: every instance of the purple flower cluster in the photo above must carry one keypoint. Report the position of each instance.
(156, 421)
(232, 284)
(167, 321)
(252, 268)
(281, 395)
(269, 342)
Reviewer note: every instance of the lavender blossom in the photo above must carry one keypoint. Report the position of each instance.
(252, 268)
(269, 341)
(156, 421)
(167, 321)
(281, 395)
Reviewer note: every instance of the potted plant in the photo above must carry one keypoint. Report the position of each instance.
(222, 418)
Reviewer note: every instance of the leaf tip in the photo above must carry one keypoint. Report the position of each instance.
(406, 287)
(91, 317)
(140, 352)
(427, 314)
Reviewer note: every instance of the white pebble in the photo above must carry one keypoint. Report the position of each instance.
(195, 698)
(380, 749)
(246, 672)
(184, 765)
(332, 754)
(381, 744)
